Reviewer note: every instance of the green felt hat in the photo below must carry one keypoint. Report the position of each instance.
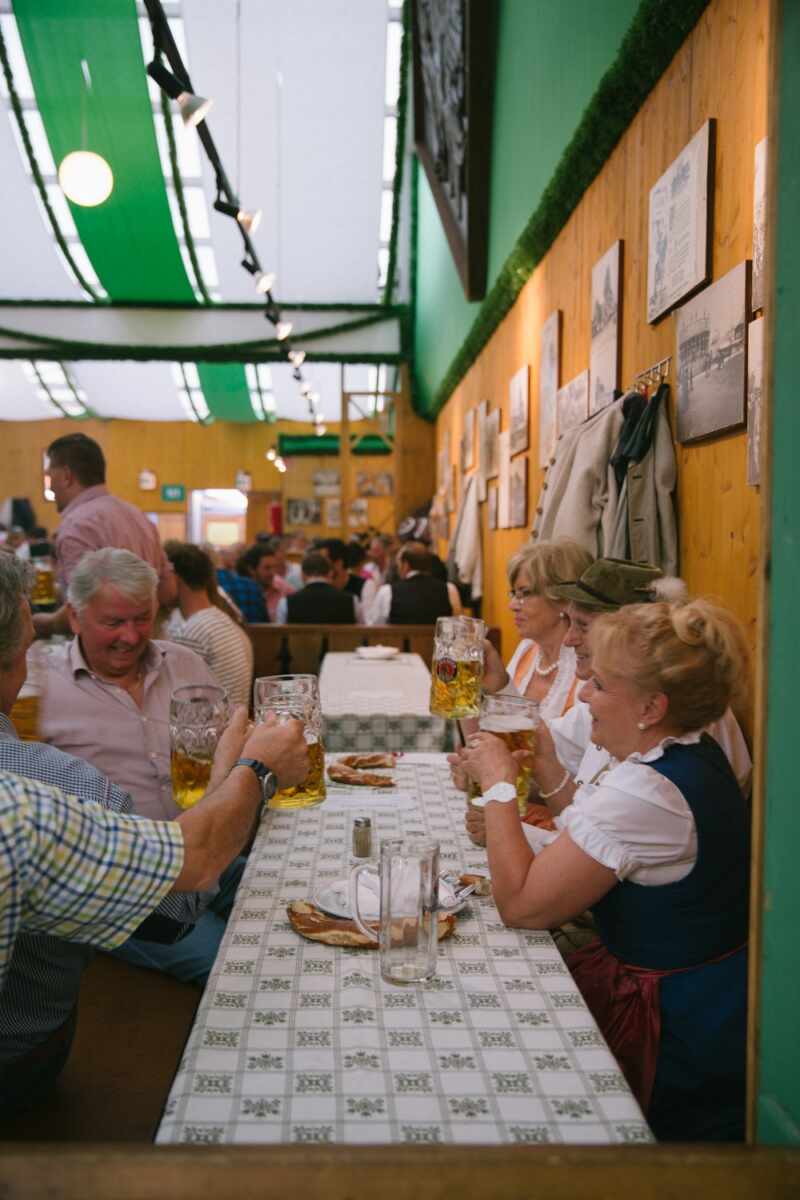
(610, 583)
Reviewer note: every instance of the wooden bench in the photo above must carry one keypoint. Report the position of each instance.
(300, 649)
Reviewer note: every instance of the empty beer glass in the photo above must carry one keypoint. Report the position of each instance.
(514, 720)
(198, 713)
(296, 696)
(457, 667)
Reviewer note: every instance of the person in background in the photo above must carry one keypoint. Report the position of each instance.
(380, 555)
(17, 541)
(657, 845)
(289, 572)
(261, 564)
(243, 590)
(361, 587)
(318, 602)
(91, 518)
(416, 598)
(206, 628)
(106, 699)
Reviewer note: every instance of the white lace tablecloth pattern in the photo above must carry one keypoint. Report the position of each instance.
(295, 1041)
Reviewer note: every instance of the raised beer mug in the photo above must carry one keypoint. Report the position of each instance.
(457, 667)
(514, 720)
(296, 697)
(198, 714)
(408, 929)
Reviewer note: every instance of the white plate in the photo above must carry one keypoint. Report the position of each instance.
(333, 899)
(377, 652)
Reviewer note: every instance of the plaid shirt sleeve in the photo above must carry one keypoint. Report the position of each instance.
(75, 870)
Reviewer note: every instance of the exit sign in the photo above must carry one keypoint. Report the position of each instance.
(173, 492)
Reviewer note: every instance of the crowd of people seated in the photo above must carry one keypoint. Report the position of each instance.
(635, 839)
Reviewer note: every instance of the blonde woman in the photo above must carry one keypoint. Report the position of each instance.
(657, 846)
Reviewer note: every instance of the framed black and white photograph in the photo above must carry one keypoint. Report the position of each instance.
(549, 340)
(450, 488)
(711, 358)
(755, 378)
(491, 508)
(491, 432)
(518, 410)
(679, 238)
(572, 403)
(303, 512)
(481, 413)
(519, 492)
(759, 224)
(326, 483)
(358, 514)
(333, 513)
(468, 441)
(604, 354)
(504, 479)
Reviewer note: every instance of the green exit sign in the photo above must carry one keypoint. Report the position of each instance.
(173, 492)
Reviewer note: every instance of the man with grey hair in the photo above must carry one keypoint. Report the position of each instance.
(40, 974)
(106, 700)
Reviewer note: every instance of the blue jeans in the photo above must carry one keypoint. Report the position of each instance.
(192, 958)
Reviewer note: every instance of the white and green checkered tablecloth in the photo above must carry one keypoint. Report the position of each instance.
(295, 1041)
(379, 705)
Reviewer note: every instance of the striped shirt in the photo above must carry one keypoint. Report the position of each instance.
(43, 978)
(76, 870)
(225, 647)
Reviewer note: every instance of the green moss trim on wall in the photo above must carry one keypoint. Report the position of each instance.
(656, 34)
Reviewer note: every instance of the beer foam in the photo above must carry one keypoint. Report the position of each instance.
(501, 723)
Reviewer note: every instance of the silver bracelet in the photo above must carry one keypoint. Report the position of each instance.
(549, 795)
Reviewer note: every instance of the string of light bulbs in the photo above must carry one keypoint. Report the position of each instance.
(174, 81)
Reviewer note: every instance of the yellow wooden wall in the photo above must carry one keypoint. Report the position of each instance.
(721, 72)
(209, 457)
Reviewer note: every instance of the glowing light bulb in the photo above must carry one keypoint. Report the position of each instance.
(85, 178)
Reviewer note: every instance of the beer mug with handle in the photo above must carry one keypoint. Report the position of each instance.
(198, 713)
(457, 667)
(514, 720)
(296, 696)
(408, 885)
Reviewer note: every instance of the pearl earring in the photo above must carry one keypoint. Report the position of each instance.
(641, 725)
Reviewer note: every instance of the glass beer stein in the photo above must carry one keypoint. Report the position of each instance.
(43, 593)
(25, 709)
(514, 720)
(296, 696)
(198, 714)
(457, 667)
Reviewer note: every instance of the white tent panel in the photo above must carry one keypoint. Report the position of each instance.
(138, 391)
(19, 397)
(311, 142)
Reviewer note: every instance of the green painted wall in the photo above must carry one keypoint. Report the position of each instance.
(551, 57)
(779, 1058)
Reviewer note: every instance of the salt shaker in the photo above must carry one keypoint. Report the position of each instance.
(362, 837)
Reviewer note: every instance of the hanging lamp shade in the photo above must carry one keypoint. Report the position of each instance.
(85, 178)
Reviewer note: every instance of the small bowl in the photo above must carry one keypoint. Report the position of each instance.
(377, 652)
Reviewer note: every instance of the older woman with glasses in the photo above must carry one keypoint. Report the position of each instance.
(656, 844)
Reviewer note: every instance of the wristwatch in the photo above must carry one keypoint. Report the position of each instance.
(268, 780)
(502, 792)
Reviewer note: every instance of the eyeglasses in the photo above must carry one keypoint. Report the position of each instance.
(520, 594)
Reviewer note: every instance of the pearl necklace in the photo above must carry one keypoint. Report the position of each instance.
(543, 671)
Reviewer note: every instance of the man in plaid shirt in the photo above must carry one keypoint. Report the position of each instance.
(74, 865)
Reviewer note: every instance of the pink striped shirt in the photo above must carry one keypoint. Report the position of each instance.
(95, 519)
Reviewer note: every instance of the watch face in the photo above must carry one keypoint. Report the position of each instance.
(269, 785)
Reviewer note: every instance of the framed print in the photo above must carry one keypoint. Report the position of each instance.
(468, 441)
(492, 508)
(326, 483)
(491, 433)
(679, 237)
(759, 224)
(755, 379)
(333, 513)
(358, 514)
(518, 410)
(711, 358)
(504, 480)
(481, 414)
(518, 488)
(453, 69)
(549, 340)
(303, 512)
(604, 354)
(572, 403)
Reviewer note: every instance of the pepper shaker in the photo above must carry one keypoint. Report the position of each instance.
(362, 837)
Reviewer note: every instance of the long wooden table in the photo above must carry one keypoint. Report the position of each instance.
(296, 1041)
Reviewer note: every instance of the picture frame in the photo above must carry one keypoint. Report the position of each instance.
(755, 383)
(333, 512)
(504, 479)
(572, 403)
(518, 401)
(468, 440)
(606, 324)
(549, 345)
(453, 60)
(711, 336)
(491, 433)
(679, 226)
(518, 490)
(303, 511)
(759, 224)
(491, 508)
(481, 414)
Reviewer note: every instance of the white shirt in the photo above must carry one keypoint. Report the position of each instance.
(380, 610)
(225, 647)
(553, 703)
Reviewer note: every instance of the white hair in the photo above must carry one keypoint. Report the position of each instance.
(15, 581)
(130, 575)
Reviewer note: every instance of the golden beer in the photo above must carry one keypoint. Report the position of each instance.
(456, 688)
(43, 591)
(312, 790)
(190, 778)
(25, 715)
(523, 737)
